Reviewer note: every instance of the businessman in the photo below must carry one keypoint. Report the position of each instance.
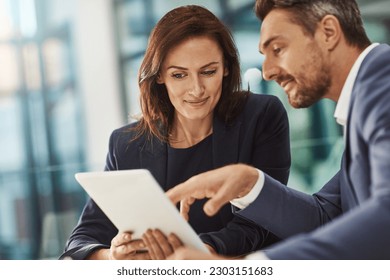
(316, 49)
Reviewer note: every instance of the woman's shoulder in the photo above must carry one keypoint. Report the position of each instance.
(261, 102)
(126, 132)
(126, 128)
(262, 98)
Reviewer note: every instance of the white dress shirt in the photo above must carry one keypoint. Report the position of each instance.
(341, 115)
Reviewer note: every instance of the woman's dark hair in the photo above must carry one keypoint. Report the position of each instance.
(176, 26)
(307, 13)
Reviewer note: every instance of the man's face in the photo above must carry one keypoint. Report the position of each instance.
(294, 60)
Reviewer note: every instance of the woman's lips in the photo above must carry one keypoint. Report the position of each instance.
(197, 102)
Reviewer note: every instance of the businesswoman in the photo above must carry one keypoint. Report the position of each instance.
(195, 118)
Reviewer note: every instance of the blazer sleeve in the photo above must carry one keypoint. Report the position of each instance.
(286, 211)
(94, 230)
(239, 238)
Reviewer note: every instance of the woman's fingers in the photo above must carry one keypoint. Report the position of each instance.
(160, 246)
(174, 241)
(123, 247)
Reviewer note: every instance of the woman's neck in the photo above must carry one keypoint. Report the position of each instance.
(187, 133)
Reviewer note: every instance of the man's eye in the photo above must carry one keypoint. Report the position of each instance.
(277, 50)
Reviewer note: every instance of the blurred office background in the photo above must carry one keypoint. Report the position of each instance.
(68, 77)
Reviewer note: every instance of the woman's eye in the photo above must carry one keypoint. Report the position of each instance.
(209, 72)
(178, 75)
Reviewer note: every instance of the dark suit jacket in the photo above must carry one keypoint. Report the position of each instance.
(259, 136)
(349, 218)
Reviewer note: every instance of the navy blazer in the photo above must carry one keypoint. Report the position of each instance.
(349, 218)
(259, 136)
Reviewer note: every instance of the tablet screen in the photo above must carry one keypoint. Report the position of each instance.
(134, 201)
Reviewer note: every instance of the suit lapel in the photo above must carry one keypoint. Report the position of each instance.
(153, 156)
(347, 191)
(350, 131)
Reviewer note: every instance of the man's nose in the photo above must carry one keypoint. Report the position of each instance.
(270, 70)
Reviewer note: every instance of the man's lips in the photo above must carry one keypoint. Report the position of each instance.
(285, 84)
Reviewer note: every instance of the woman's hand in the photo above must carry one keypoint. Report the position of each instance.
(123, 247)
(160, 246)
(185, 253)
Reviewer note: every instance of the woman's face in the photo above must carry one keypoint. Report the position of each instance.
(192, 73)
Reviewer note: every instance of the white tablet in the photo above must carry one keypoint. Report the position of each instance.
(134, 201)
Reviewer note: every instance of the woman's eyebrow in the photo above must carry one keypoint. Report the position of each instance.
(184, 68)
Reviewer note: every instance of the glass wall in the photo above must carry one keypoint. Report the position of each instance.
(40, 127)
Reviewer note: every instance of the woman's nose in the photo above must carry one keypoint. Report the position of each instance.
(197, 88)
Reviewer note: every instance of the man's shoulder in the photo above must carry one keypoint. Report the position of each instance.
(371, 105)
(377, 57)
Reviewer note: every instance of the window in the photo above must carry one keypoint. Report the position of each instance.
(41, 139)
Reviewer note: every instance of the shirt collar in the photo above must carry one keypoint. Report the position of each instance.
(341, 112)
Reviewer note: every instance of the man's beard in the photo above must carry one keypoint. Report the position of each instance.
(309, 93)
(312, 88)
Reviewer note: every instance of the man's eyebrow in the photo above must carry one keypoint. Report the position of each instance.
(184, 68)
(267, 43)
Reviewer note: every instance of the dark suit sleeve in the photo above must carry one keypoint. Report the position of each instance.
(94, 230)
(286, 211)
(277, 222)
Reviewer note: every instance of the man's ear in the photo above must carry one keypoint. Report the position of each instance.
(331, 31)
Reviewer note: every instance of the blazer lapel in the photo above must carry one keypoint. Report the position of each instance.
(153, 156)
(347, 191)
(225, 143)
(347, 185)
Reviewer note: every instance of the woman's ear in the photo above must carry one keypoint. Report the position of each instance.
(331, 30)
(159, 80)
(225, 71)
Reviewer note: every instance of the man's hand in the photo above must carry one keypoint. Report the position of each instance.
(220, 185)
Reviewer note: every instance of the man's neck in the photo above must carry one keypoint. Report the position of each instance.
(342, 62)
